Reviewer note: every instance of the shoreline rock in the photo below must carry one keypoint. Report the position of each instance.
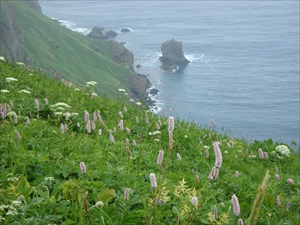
(101, 34)
(172, 56)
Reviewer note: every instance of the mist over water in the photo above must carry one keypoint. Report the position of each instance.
(244, 70)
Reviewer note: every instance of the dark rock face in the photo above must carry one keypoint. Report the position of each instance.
(172, 55)
(100, 33)
(122, 55)
(12, 45)
(139, 84)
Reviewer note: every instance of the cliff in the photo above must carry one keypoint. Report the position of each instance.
(38, 41)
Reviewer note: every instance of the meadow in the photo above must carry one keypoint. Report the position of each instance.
(69, 156)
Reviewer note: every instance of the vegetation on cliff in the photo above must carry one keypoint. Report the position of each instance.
(70, 157)
(30, 37)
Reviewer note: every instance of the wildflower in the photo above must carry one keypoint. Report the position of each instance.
(136, 119)
(237, 174)
(20, 63)
(277, 177)
(24, 91)
(16, 203)
(131, 100)
(212, 122)
(206, 153)
(128, 130)
(99, 132)
(9, 79)
(240, 222)
(93, 125)
(88, 127)
(125, 109)
(126, 194)
(160, 157)
(283, 150)
(92, 83)
(127, 150)
(2, 58)
(278, 201)
(27, 120)
(94, 94)
(134, 143)
(138, 103)
(94, 116)
(156, 140)
(99, 204)
(120, 124)
(121, 114)
(170, 140)
(18, 135)
(60, 104)
(11, 103)
(11, 114)
(157, 126)
(171, 123)
(115, 130)
(266, 155)
(62, 128)
(260, 153)
(159, 123)
(121, 90)
(127, 141)
(214, 173)
(82, 168)
(236, 205)
(218, 154)
(171, 112)
(178, 157)
(194, 201)
(156, 132)
(111, 138)
(86, 116)
(4, 91)
(291, 182)
(153, 180)
(49, 179)
(37, 105)
(197, 178)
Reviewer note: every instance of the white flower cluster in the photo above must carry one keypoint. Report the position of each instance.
(2, 58)
(154, 133)
(4, 91)
(10, 79)
(49, 179)
(60, 104)
(283, 150)
(24, 91)
(10, 210)
(92, 83)
(121, 90)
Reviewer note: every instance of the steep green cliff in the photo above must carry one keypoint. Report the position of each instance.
(29, 36)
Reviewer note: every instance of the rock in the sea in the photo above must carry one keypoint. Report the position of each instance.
(154, 91)
(100, 33)
(125, 30)
(172, 55)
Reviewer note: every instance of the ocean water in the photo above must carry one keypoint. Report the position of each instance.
(244, 70)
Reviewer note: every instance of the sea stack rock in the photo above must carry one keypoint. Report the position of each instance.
(100, 33)
(172, 56)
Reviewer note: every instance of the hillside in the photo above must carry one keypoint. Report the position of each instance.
(68, 157)
(34, 39)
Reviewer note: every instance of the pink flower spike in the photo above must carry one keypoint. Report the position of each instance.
(160, 157)
(178, 157)
(277, 177)
(46, 101)
(121, 115)
(240, 222)
(236, 205)
(37, 105)
(27, 120)
(99, 132)
(206, 153)
(82, 168)
(291, 182)
(214, 173)
(197, 178)
(94, 116)
(170, 140)
(218, 154)
(147, 118)
(261, 154)
(15, 119)
(18, 135)
(153, 180)
(134, 143)
(88, 127)
(126, 194)
(171, 123)
(127, 141)
(194, 201)
(136, 119)
(237, 174)
(212, 122)
(278, 201)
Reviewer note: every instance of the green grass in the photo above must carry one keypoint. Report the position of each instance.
(57, 49)
(41, 181)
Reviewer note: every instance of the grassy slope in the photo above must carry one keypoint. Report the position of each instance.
(54, 47)
(45, 152)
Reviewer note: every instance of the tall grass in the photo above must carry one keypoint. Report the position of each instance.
(43, 180)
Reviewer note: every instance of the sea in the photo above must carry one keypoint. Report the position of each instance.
(244, 58)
